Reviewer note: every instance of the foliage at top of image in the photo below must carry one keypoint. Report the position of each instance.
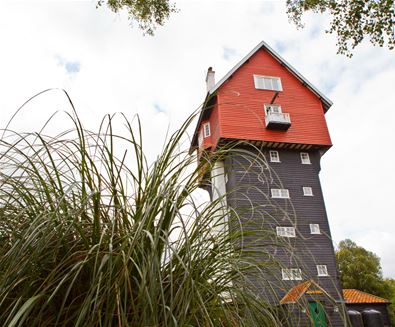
(148, 14)
(352, 20)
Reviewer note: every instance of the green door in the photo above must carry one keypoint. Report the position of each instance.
(317, 314)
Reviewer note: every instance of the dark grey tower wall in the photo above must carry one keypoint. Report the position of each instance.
(250, 179)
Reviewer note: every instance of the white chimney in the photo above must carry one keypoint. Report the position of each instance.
(210, 79)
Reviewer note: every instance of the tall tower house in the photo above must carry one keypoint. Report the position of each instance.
(280, 117)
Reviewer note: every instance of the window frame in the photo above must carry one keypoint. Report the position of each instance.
(283, 193)
(272, 158)
(315, 229)
(291, 274)
(307, 191)
(285, 231)
(206, 132)
(306, 160)
(268, 106)
(258, 82)
(322, 270)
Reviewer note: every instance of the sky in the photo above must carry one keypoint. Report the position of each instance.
(108, 66)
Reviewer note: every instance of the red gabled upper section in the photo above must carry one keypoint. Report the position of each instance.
(235, 107)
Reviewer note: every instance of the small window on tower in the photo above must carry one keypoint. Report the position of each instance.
(285, 231)
(315, 229)
(322, 270)
(280, 193)
(267, 83)
(274, 156)
(307, 191)
(291, 274)
(206, 130)
(304, 156)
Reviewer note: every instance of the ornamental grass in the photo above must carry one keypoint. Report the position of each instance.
(92, 234)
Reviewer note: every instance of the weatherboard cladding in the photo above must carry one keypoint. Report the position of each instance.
(241, 105)
(250, 183)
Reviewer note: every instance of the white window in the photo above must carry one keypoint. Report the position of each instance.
(286, 231)
(206, 129)
(315, 229)
(274, 156)
(281, 193)
(273, 109)
(307, 191)
(322, 270)
(304, 156)
(267, 83)
(291, 274)
(200, 139)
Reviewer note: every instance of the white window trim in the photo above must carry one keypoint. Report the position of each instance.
(291, 274)
(285, 231)
(257, 78)
(274, 156)
(280, 193)
(315, 229)
(206, 132)
(305, 161)
(322, 271)
(307, 191)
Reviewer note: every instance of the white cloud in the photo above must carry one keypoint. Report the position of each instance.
(161, 78)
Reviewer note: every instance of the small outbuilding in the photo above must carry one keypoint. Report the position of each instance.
(364, 302)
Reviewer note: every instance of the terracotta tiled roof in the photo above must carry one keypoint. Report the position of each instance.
(296, 292)
(355, 296)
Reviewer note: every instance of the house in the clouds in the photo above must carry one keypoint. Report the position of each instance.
(275, 120)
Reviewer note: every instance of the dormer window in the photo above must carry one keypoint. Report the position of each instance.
(206, 130)
(267, 83)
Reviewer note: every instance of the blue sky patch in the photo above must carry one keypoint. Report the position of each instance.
(72, 67)
(229, 53)
(158, 108)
